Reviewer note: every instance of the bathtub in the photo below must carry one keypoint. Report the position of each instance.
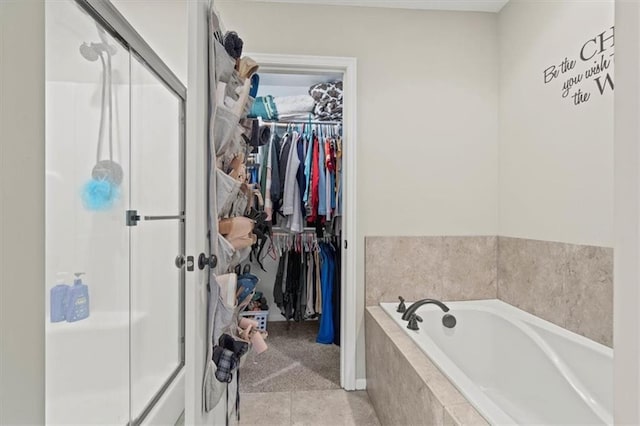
(515, 368)
(88, 374)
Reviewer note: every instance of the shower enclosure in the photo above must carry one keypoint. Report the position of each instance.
(115, 217)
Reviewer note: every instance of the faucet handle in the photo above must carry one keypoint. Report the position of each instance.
(401, 307)
(413, 322)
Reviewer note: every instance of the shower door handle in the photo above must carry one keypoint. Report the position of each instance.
(132, 217)
(182, 260)
(174, 217)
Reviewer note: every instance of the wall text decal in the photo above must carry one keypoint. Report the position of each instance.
(578, 84)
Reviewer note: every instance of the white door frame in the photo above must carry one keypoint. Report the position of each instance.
(196, 218)
(304, 64)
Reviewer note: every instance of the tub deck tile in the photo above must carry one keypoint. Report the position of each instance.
(463, 414)
(404, 386)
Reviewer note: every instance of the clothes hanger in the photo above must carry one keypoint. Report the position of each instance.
(271, 251)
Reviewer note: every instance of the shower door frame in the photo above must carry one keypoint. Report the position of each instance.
(108, 16)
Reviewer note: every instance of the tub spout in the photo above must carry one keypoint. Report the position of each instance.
(414, 307)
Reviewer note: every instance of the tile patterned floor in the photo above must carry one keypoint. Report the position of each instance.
(308, 408)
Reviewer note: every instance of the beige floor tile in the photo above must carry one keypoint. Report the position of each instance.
(361, 409)
(332, 407)
(266, 409)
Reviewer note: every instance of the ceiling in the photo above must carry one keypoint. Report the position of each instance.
(459, 5)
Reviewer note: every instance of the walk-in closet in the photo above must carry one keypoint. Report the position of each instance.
(299, 171)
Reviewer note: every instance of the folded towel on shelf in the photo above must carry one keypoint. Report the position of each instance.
(286, 105)
(271, 108)
(265, 108)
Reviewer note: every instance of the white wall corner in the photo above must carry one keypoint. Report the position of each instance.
(626, 320)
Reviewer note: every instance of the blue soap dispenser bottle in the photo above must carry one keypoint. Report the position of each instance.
(77, 300)
(58, 299)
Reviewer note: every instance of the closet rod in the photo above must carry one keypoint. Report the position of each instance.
(313, 122)
(279, 230)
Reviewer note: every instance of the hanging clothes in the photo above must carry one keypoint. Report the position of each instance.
(325, 334)
(337, 292)
(322, 185)
(300, 175)
(307, 283)
(276, 192)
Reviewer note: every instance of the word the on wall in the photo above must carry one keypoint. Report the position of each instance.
(588, 74)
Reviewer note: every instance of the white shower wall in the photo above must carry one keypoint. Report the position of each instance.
(74, 234)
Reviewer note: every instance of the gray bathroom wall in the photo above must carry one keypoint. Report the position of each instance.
(556, 146)
(22, 94)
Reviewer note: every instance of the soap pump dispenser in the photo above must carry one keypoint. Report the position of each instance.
(58, 299)
(78, 300)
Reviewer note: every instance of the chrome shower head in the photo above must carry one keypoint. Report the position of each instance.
(92, 51)
(89, 52)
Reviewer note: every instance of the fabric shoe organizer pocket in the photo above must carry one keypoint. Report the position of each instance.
(224, 129)
(227, 190)
(220, 320)
(225, 64)
(238, 231)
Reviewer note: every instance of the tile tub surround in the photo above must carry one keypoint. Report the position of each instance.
(404, 386)
(442, 267)
(567, 284)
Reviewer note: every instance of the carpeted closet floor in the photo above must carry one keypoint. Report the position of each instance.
(293, 362)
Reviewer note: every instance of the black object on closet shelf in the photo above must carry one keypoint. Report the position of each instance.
(260, 135)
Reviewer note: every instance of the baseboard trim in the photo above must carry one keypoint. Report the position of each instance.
(361, 384)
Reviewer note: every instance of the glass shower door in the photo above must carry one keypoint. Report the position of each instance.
(157, 193)
(87, 193)
(114, 215)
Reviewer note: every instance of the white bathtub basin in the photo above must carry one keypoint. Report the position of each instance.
(515, 368)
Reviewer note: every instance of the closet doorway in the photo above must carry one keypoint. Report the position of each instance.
(287, 74)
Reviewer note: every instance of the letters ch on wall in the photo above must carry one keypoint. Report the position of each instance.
(592, 76)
